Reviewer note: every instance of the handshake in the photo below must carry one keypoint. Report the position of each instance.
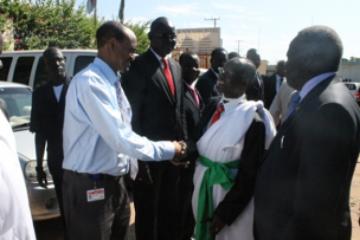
(181, 152)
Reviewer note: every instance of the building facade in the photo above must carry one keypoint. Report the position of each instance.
(198, 40)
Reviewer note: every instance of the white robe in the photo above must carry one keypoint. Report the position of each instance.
(15, 216)
(224, 142)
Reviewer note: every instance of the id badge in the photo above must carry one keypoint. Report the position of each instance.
(95, 194)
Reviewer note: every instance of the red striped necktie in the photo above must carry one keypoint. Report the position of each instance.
(217, 113)
(169, 78)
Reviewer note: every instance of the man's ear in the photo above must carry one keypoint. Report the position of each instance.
(150, 35)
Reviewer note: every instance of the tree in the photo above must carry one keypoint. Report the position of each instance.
(48, 22)
(140, 30)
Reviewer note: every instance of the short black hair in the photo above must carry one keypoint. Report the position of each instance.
(108, 30)
(185, 57)
(217, 51)
(49, 51)
(232, 55)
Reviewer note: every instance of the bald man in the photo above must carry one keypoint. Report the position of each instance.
(236, 133)
(303, 187)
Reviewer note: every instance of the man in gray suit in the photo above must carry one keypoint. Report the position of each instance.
(302, 189)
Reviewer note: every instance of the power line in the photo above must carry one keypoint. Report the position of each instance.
(213, 19)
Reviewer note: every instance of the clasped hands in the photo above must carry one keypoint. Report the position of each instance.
(181, 150)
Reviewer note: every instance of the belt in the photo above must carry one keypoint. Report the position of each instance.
(96, 176)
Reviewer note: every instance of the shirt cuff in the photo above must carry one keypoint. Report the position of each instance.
(168, 150)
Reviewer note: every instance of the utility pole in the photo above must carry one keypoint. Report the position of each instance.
(121, 10)
(213, 19)
(238, 45)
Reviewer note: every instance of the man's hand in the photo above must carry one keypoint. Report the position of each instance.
(180, 153)
(180, 148)
(216, 225)
(41, 177)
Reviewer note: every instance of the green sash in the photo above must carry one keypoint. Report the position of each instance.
(216, 173)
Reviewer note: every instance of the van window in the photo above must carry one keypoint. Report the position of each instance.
(4, 71)
(81, 62)
(23, 70)
(40, 74)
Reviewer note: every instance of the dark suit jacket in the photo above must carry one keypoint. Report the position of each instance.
(255, 89)
(206, 85)
(156, 113)
(241, 193)
(302, 189)
(269, 90)
(47, 118)
(192, 112)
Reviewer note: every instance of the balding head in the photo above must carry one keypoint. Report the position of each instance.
(112, 29)
(116, 45)
(315, 50)
(238, 72)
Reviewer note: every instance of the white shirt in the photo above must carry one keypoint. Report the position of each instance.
(97, 138)
(278, 82)
(15, 216)
(57, 91)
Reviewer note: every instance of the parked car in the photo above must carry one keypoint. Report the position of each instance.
(15, 100)
(27, 67)
(354, 88)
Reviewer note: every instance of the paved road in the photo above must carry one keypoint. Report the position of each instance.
(52, 230)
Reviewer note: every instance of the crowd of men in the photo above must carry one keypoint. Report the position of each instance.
(226, 155)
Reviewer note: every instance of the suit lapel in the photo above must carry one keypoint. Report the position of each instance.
(189, 96)
(308, 101)
(159, 77)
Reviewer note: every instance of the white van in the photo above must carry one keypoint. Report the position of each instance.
(27, 67)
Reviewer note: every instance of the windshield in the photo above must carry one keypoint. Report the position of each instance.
(16, 103)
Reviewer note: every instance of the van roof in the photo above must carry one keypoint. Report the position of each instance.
(41, 51)
(12, 84)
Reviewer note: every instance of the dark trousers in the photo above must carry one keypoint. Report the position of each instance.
(56, 172)
(157, 203)
(99, 220)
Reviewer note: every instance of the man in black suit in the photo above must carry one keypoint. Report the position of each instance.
(193, 106)
(273, 83)
(255, 89)
(47, 118)
(155, 90)
(302, 189)
(206, 85)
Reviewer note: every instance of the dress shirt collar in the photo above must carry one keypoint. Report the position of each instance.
(110, 75)
(192, 87)
(313, 82)
(158, 57)
(230, 103)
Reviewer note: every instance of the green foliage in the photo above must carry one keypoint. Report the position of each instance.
(140, 30)
(40, 23)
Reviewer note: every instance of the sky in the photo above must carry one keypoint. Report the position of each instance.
(266, 25)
